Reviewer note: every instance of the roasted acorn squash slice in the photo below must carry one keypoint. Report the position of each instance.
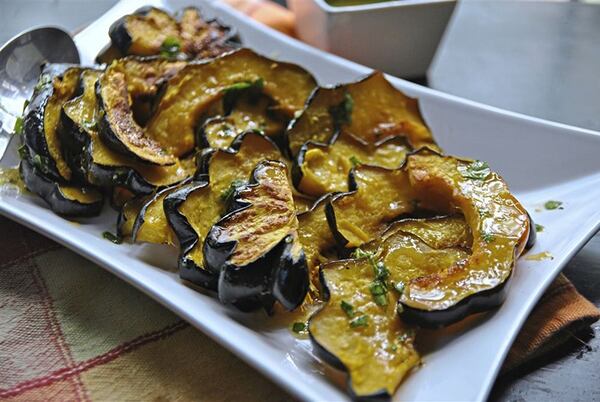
(151, 224)
(361, 297)
(42, 124)
(322, 169)
(255, 247)
(119, 86)
(250, 112)
(203, 39)
(151, 32)
(317, 241)
(358, 217)
(100, 165)
(370, 109)
(500, 227)
(354, 333)
(64, 199)
(195, 87)
(143, 32)
(194, 208)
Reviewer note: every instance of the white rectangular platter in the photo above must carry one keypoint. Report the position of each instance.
(540, 160)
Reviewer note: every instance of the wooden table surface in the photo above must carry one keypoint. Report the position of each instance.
(571, 373)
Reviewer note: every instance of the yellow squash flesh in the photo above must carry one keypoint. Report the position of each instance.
(64, 87)
(378, 355)
(498, 222)
(205, 206)
(381, 196)
(324, 169)
(196, 86)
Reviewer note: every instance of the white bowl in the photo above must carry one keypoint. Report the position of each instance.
(397, 37)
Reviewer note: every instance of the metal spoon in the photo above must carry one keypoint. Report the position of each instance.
(20, 61)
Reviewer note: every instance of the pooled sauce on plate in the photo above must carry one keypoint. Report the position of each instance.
(545, 255)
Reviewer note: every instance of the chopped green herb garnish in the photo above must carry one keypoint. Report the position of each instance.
(243, 85)
(18, 126)
(232, 93)
(299, 327)
(399, 308)
(22, 151)
(228, 193)
(487, 237)
(42, 81)
(90, 125)
(112, 238)
(360, 253)
(477, 170)
(40, 163)
(355, 161)
(394, 347)
(381, 271)
(550, 205)
(379, 292)
(539, 228)
(362, 321)
(407, 336)
(399, 287)
(348, 309)
(170, 47)
(342, 113)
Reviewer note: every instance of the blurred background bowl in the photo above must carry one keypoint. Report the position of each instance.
(399, 37)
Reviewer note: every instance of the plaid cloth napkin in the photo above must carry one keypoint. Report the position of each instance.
(71, 331)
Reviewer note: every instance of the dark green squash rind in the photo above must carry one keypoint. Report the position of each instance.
(33, 122)
(49, 191)
(277, 273)
(476, 303)
(118, 30)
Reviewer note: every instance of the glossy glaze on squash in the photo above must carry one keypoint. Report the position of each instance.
(100, 165)
(151, 224)
(500, 228)
(370, 109)
(250, 112)
(194, 209)
(377, 354)
(320, 169)
(255, 247)
(196, 86)
(412, 248)
(358, 217)
(317, 241)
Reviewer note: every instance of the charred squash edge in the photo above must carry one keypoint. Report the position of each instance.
(80, 142)
(121, 39)
(111, 138)
(273, 262)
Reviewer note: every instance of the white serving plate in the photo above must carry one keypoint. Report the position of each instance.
(540, 160)
(398, 37)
